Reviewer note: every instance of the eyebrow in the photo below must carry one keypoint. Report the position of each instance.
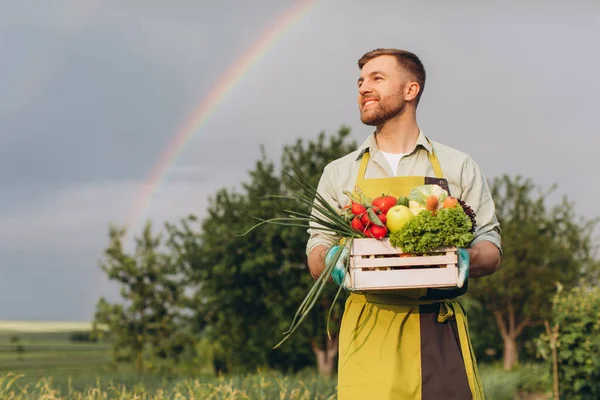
(371, 75)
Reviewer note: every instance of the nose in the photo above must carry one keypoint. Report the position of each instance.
(364, 89)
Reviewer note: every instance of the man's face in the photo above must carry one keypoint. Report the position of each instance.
(381, 89)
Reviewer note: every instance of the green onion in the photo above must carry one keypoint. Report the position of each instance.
(330, 221)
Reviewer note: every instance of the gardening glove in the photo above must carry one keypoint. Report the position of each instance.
(463, 266)
(339, 271)
(463, 262)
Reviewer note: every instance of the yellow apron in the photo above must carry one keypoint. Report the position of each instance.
(405, 346)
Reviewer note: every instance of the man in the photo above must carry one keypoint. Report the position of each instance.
(414, 344)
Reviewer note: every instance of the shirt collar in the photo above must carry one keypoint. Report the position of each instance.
(370, 145)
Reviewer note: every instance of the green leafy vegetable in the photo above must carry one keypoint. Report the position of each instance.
(448, 227)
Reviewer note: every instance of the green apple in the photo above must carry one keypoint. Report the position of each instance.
(397, 217)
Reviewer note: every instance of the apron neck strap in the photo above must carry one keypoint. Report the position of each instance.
(437, 169)
(362, 169)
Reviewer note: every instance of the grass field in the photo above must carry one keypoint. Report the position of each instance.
(51, 366)
(255, 386)
(35, 350)
(266, 385)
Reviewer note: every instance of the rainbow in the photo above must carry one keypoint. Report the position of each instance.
(210, 103)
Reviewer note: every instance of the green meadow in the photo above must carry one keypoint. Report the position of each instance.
(46, 363)
(40, 360)
(39, 349)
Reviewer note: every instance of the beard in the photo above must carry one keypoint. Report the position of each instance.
(382, 111)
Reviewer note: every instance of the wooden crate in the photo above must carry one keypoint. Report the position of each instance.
(394, 272)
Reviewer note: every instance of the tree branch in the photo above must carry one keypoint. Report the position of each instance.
(500, 323)
(525, 323)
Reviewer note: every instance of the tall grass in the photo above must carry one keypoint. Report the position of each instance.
(53, 367)
(498, 385)
(265, 385)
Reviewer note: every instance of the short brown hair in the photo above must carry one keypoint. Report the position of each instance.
(407, 60)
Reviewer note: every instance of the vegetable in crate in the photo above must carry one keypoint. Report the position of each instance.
(446, 227)
(384, 203)
(367, 216)
(426, 197)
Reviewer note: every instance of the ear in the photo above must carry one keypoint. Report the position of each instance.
(411, 90)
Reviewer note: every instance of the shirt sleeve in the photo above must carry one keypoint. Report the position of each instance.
(477, 194)
(325, 189)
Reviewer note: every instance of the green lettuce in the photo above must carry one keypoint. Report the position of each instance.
(448, 227)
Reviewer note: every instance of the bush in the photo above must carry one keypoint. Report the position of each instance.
(499, 384)
(534, 378)
(83, 336)
(577, 314)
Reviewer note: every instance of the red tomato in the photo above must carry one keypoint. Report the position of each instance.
(384, 203)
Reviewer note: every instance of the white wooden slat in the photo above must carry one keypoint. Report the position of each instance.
(405, 279)
(368, 246)
(448, 258)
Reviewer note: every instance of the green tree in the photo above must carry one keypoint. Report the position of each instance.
(249, 287)
(575, 350)
(152, 319)
(541, 245)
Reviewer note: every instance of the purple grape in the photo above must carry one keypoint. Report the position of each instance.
(469, 211)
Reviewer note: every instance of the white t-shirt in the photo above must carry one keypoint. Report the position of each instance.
(393, 159)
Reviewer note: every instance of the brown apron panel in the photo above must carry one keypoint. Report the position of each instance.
(442, 366)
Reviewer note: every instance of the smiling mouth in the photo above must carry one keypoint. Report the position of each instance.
(369, 102)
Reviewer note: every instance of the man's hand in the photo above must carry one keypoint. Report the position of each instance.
(484, 259)
(322, 254)
(480, 260)
(316, 261)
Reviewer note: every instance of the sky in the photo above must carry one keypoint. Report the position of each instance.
(93, 93)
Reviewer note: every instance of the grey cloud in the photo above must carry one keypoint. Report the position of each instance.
(102, 100)
(45, 289)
